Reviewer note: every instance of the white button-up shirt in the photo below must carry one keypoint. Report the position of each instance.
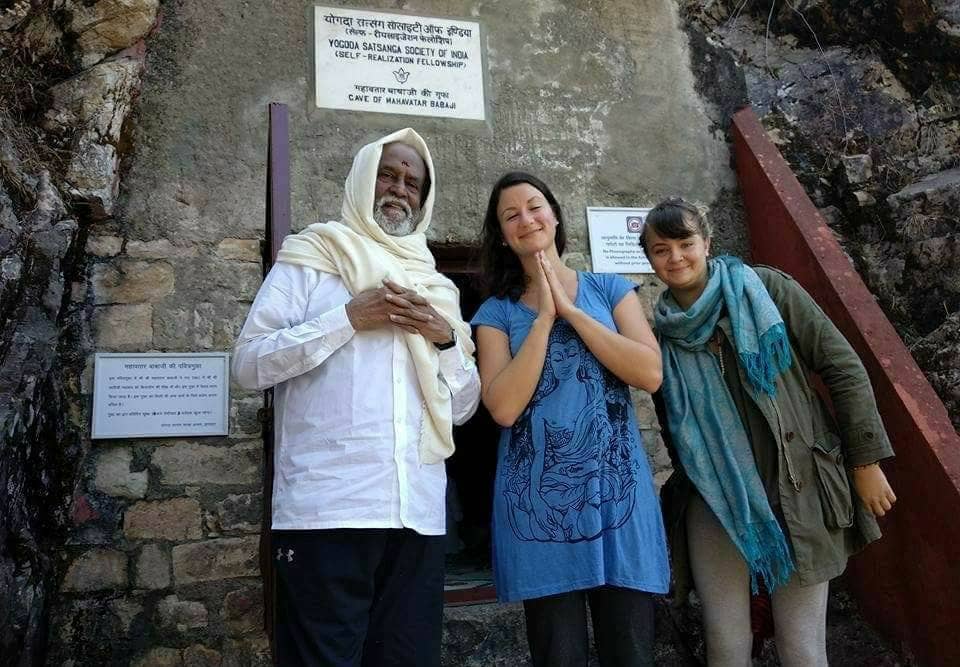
(347, 409)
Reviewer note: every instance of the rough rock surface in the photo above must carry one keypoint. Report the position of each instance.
(92, 106)
(108, 26)
(863, 100)
(38, 444)
(60, 138)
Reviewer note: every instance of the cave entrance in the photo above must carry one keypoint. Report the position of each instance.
(471, 469)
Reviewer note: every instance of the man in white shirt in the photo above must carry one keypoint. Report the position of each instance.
(372, 364)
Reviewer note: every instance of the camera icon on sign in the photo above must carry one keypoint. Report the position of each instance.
(634, 224)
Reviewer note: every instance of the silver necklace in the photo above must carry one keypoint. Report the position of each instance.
(716, 341)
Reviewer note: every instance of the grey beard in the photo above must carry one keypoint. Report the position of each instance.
(402, 227)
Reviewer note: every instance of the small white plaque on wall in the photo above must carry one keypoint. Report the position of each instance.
(160, 395)
(397, 63)
(615, 239)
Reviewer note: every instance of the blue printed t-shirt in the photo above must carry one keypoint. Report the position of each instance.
(574, 502)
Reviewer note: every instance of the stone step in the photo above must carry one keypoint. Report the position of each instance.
(494, 635)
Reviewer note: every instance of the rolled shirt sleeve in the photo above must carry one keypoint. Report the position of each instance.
(459, 373)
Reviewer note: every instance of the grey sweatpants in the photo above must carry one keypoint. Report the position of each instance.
(723, 585)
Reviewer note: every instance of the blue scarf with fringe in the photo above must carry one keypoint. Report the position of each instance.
(707, 431)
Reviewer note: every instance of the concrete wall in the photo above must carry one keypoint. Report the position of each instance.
(596, 97)
(599, 100)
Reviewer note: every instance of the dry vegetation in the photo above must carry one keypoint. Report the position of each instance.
(33, 58)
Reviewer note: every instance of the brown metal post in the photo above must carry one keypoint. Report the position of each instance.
(277, 227)
(278, 180)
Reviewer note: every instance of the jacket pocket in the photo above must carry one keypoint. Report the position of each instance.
(832, 482)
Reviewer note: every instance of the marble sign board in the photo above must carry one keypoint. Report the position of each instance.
(398, 63)
(615, 239)
(158, 395)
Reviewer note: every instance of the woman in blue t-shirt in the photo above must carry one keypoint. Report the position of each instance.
(575, 518)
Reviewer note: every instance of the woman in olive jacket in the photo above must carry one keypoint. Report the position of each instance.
(763, 496)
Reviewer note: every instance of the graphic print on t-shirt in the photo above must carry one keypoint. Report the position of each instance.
(570, 474)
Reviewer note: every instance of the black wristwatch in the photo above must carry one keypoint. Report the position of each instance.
(450, 343)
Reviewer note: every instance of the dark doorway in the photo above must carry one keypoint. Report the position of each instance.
(470, 470)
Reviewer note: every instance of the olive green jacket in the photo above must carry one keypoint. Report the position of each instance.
(824, 519)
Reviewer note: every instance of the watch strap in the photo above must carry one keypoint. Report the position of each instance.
(450, 343)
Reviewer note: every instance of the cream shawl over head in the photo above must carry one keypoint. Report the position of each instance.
(362, 254)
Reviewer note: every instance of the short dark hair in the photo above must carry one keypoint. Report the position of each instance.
(675, 218)
(502, 273)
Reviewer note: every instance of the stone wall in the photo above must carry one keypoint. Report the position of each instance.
(598, 98)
